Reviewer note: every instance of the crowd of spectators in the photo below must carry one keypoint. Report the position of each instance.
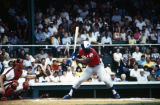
(100, 21)
(140, 64)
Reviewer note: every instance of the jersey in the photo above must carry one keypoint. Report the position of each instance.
(92, 54)
(12, 74)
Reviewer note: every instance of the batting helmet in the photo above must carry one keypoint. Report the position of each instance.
(85, 45)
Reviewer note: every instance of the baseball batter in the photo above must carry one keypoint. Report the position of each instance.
(94, 65)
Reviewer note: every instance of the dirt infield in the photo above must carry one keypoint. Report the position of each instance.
(78, 101)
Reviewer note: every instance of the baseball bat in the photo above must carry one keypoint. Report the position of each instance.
(75, 38)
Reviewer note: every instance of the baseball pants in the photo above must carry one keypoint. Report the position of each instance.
(99, 70)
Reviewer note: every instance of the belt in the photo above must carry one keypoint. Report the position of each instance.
(96, 65)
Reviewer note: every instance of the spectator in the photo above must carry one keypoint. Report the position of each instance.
(27, 62)
(64, 65)
(66, 41)
(68, 62)
(41, 55)
(13, 39)
(146, 71)
(155, 53)
(149, 63)
(54, 78)
(22, 26)
(142, 61)
(95, 78)
(3, 39)
(147, 53)
(137, 55)
(123, 35)
(134, 73)
(113, 77)
(106, 39)
(123, 78)
(157, 70)
(153, 36)
(54, 65)
(140, 24)
(59, 71)
(40, 37)
(6, 62)
(142, 77)
(69, 72)
(117, 56)
(4, 53)
(143, 38)
(49, 59)
(22, 54)
(95, 33)
(65, 78)
(132, 40)
(47, 34)
(33, 65)
(56, 42)
(153, 76)
(92, 39)
(137, 34)
(126, 56)
(52, 28)
(117, 35)
(78, 71)
(43, 65)
(116, 17)
(84, 35)
(44, 79)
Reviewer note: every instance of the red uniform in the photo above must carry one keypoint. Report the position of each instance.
(92, 54)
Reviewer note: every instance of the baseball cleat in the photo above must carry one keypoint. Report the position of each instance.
(116, 96)
(67, 97)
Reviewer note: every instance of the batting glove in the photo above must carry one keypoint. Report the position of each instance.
(73, 56)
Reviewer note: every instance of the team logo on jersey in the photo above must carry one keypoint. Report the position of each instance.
(91, 55)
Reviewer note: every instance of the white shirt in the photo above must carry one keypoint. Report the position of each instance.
(140, 25)
(79, 19)
(84, 36)
(42, 79)
(65, 15)
(129, 18)
(123, 36)
(117, 57)
(153, 36)
(27, 63)
(105, 40)
(49, 61)
(142, 78)
(137, 56)
(54, 79)
(134, 73)
(52, 30)
(66, 40)
(5, 63)
(143, 39)
(47, 35)
(92, 39)
(96, 35)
